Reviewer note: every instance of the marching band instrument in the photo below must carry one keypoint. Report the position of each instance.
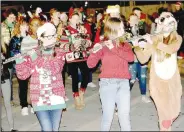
(76, 54)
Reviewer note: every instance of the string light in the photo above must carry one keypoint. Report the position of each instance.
(86, 4)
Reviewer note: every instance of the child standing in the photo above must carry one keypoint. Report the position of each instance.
(114, 77)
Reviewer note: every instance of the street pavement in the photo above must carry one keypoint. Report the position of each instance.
(143, 116)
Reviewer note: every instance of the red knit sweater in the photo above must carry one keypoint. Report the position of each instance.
(28, 68)
(114, 61)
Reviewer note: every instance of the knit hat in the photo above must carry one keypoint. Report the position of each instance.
(178, 4)
(46, 27)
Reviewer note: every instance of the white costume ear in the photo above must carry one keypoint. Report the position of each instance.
(30, 14)
(38, 11)
(45, 17)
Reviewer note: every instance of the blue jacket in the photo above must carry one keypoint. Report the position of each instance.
(14, 47)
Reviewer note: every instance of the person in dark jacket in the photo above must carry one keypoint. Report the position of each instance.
(5, 85)
(179, 15)
(20, 32)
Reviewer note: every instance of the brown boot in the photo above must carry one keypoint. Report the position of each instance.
(77, 103)
(81, 95)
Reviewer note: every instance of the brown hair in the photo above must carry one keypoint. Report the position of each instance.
(16, 30)
(52, 11)
(31, 20)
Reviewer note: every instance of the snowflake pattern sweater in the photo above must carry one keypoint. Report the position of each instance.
(29, 68)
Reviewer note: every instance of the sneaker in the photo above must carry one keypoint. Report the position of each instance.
(12, 130)
(66, 98)
(32, 110)
(79, 84)
(131, 85)
(145, 99)
(92, 85)
(69, 77)
(12, 103)
(116, 111)
(24, 111)
(180, 57)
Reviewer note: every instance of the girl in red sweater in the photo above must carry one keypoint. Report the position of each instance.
(114, 77)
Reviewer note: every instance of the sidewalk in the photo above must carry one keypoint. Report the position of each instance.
(143, 116)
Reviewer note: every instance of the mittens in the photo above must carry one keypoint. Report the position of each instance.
(32, 54)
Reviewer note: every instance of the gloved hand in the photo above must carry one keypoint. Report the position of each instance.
(147, 37)
(135, 41)
(142, 44)
(32, 53)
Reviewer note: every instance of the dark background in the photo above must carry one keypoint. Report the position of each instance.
(65, 5)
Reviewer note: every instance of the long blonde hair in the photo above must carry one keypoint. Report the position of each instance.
(161, 55)
(111, 29)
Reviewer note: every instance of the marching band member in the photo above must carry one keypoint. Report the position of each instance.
(7, 27)
(28, 42)
(165, 82)
(6, 85)
(20, 32)
(137, 70)
(114, 77)
(77, 59)
(47, 92)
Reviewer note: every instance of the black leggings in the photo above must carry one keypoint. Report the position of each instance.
(23, 90)
(73, 67)
(64, 71)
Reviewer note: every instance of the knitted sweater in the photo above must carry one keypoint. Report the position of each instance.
(114, 61)
(73, 31)
(28, 43)
(55, 87)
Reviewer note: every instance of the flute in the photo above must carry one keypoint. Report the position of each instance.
(25, 54)
(125, 38)
(151, 35)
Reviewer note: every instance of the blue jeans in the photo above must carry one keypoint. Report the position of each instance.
(115, 91)
(140, 72)
(49, 119)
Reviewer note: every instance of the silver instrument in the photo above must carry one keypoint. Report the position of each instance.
(125, 38)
